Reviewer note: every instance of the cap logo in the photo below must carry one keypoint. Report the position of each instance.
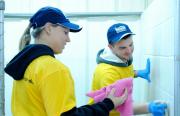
(120, 29)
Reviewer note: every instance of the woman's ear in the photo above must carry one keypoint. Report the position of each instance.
(48, 28)
(110, 46)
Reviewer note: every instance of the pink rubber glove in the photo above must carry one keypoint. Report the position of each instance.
(126, 109)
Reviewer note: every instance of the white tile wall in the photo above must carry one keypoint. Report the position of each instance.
(27, 6)
(159, 38)
(177, 84)
(131, 5)
(30, 6)
(100, 6)
(159, 35)
(162, 74)
(177, 59)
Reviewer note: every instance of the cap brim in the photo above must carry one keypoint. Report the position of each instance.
(72, 27)
(117, 38)
(126, 35)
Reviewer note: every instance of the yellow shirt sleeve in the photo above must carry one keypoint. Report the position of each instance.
(106, 74)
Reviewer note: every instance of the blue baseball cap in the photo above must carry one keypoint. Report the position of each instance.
(54, 16)
(117, 31)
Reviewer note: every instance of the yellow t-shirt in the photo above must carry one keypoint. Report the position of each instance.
(47, 89)
(106, 74)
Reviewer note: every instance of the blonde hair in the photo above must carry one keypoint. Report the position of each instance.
(25, 38)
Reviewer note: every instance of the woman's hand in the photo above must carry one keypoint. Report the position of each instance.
(118, 100)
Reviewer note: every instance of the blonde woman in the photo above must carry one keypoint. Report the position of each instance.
(43, 86)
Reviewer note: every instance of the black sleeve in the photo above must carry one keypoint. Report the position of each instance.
(97, 109)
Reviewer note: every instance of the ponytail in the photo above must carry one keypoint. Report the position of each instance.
(25, 38)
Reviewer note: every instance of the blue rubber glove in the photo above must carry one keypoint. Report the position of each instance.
(157, 108)
(145, 74)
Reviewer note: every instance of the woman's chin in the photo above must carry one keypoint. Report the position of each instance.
(59, 52)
